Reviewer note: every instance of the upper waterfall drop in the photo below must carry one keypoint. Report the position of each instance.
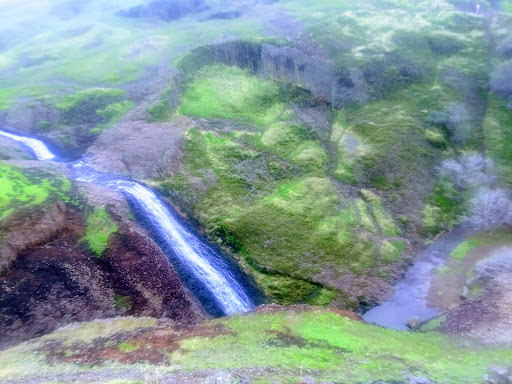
(40, 149)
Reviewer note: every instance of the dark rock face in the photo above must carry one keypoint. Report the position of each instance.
(52, 279)
(166, 10)
(288, 65)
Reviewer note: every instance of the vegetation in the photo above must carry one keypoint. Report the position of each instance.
(481, 240)
(99, 228)
(296, 343)
(25, 188)
(95, 106)
(231, 93)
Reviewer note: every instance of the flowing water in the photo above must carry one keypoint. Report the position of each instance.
(40, 150)
(201, 261)
(411, 294)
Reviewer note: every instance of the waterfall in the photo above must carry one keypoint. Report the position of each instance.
(40, 150)
(199, 258)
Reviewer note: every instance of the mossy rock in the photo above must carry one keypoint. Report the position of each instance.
(232, 93)
(288, 291)
(91, 106)
(24, 188)
(390, 251)
(301, 228)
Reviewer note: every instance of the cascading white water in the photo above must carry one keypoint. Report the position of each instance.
(198, 257)
(40, 150)
(192, 252)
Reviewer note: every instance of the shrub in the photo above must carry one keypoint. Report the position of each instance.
(492, 267)
(468, 171)
(490, 209)
(455, 119)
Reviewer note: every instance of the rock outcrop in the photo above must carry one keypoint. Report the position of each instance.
(288, 65)
(139, 149)
(49, 276)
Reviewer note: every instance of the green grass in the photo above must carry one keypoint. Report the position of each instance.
(20, 189)
(292, 342)
(232, 93)
(339, 349)
(99, 228)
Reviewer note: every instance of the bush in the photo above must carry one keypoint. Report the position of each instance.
(501, 80)
(490, 209)
(468, 171)
(455, 119)
(492, 267)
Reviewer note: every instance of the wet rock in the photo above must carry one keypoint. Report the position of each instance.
(287, 64)
(29, 230)
(413, 322)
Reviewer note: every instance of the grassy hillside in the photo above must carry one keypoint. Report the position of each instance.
(296, 343)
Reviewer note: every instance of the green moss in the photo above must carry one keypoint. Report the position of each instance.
(44, 126)
(99, 228)
(232, 93)
(111, 115)
(391, 251)
(337, 349)
(21, 188)
(126, 347)
(383, 218)
(444, 207)
(432, 325)
(162, 110)
(286, 290)
(463, 248)
(291, 342)
(91, 106)
(436, 138)
(310, 156)
(303, 227)
(365, 218)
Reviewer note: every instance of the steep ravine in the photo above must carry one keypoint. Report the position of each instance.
(162, 293)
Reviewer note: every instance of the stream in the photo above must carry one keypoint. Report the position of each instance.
(192, 256)
(411, 294)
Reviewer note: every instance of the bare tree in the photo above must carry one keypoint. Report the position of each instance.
(490, 208)
(499, 262)
(469, 171)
